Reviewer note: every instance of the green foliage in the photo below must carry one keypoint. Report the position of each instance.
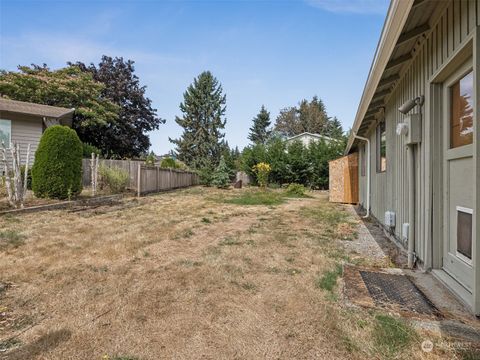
(293, 163)
(205, 175)
(168, 163)
(57, 171)
(29, 176)
(259, 132)
(150, 159)
(203, 109)
(392, 335)
(88, 149)
(221, 176)
(127, 137)
(295, 190)
(114, 178)
(262, 170)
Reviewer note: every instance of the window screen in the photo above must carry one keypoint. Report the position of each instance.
(464, 233)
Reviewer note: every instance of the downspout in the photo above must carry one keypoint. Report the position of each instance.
(368, 171)
(411, 204)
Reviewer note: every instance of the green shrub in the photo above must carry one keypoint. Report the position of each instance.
(150, 160)
(57, 171)
(205, 175)
(295, 190)
(89, 149)
(29, 176)
(168, 162)
(114, 178)
(221, 176)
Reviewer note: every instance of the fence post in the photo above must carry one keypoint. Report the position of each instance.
(139, 180)
(156, 178)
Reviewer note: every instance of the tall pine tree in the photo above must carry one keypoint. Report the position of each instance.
(203, 110)
(259, 132)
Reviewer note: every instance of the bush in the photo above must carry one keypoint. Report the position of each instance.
(114, 178)
(88, 150)
(221, 176)
(262, 170)
(168, 163)
(150, 160)
(205, 175)
(294, 189)
(29, 176)
(57, 171)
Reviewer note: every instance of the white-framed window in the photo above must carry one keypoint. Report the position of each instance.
(5, 132)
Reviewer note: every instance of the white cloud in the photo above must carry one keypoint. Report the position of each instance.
(352, 6)
(56, 49)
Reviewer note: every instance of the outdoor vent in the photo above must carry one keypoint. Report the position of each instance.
(390, 219)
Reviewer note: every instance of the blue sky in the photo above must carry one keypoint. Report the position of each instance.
(263, 52)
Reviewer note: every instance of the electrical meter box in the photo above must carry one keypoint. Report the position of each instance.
(414, 134)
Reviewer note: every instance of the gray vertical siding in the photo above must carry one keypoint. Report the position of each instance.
(26, 129)
(389, 191)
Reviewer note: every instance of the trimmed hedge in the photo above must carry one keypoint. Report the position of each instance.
(57, 170)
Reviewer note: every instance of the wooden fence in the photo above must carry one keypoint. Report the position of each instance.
(145, 179)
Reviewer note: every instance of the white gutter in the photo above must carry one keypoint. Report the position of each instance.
(368, 172)
(396, 18)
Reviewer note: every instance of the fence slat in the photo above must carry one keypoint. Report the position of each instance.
(145, 179)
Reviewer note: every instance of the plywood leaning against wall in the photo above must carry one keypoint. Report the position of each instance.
(343, 179)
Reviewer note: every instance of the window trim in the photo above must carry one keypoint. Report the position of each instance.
(378, 146)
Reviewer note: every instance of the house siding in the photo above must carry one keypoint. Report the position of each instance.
(389, 190)
(26, 129)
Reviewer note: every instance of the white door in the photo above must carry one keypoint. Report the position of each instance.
(459, 176)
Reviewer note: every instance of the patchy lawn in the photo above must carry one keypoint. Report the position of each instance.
(199, 273)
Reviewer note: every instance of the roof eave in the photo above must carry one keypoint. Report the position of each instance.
(395, 21)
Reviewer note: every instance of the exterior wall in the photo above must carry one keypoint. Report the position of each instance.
(389, 191)
(26, 129)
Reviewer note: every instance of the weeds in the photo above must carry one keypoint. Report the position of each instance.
(11, 238)
(268, 198)
(329, 279)
(228, 241)
(391, 335)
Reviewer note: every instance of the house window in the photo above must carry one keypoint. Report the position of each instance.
(381, 147)
(461, 116)
(5, 132)
(363, 160)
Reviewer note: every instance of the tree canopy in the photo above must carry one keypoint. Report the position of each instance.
(203, 109)
(308, 116)
(260, 132)
(127, 136)
(67, 87)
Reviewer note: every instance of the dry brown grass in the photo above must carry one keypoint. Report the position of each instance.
(181, 275)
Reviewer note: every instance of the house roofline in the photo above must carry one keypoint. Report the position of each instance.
(397, 16)
(311, 134)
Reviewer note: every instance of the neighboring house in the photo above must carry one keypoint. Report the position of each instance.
(422, 178)
(306, 138)
(23, 123)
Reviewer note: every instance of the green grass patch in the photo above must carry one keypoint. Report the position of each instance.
(329, 279)
(11, 238)
(206, 220)
(391, 335)
(268, 198)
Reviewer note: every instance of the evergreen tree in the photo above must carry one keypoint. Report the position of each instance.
(203, 109)
(259, 132)
(335, 129)
(221, 176)
(309, 116)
